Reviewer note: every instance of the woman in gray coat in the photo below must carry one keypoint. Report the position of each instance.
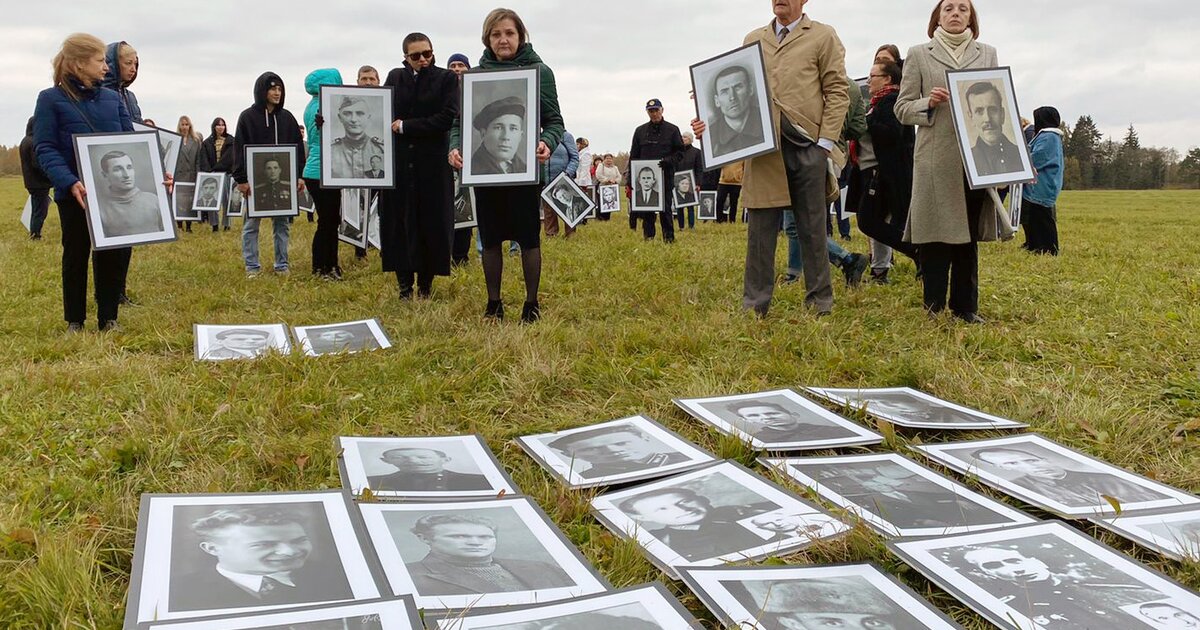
(946, 219)
(189, 156)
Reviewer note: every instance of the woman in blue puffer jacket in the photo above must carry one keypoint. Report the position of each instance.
(328, 201)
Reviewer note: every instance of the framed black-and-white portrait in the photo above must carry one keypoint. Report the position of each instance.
(608, 198)
(568, 200)
(616, 452)
(897, 496)
(1172, 532)
(305, 202)
(501, 126)
(436, 551)
(199, 555)
(1048, 575)
(716, 514)
(864, 88)
(169, 144)
(683, 190)
(271, 173)
(646, 178)
(708, 206)
(1054, 477)
(779, 420)
(733, 100)
(812, 597)
(207, 196)
(464, 204)
(127, 203)
(646, 607)
(356, 211)
(357, 336)
(422, 467)
(373, 238)
(234, 201)
(391, 614)
(182, 198)
(356, 140)
(221, 343)
(1016, 194)
(908, 407)
(984, 105)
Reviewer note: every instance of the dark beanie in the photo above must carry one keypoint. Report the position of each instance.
(458, 57)
(1046, 118)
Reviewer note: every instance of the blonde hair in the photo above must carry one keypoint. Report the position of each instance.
(125, 51)
(77, 49)
(496, 17)
(195, 135)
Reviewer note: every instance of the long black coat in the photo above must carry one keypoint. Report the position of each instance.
(416, 220)
(893, 143)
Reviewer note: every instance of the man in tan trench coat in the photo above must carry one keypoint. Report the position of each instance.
(806, 72)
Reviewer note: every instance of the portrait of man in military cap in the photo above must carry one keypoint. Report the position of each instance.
(356, 141)
(275, 191)
(500, 127)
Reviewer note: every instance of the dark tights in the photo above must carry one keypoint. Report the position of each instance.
(493, 271)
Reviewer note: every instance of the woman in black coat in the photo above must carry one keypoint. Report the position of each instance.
(216, 154)
(416, 220)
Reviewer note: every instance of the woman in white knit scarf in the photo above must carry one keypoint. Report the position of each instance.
(946, 218)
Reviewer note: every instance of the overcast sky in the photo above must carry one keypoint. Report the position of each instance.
(1121, 62)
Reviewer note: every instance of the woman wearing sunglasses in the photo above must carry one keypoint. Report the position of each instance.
(416, 219)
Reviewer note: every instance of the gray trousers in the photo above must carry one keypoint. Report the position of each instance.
(806, 172)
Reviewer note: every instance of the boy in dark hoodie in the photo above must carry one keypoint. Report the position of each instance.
(36, 183)
(266, 122)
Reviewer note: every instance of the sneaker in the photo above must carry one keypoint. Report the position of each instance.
(74, 327)
(879, 276)
(854, 268)
(790, 278)
(253, 273)
(110, 326)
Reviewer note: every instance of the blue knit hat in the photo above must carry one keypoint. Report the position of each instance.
(458, 57)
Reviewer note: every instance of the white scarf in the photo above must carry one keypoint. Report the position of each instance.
(955, 45)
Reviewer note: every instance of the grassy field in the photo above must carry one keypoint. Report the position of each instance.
(1097, 348)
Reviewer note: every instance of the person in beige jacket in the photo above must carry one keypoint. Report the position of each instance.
(805, 64)
(946, 219)
(729, 189)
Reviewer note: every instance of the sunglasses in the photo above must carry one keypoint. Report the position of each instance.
(424, 54)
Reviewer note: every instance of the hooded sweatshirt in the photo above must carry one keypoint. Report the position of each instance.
(256, 126)
(312, 85)
(112, 80)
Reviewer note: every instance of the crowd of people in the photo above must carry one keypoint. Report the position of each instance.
(908, 189)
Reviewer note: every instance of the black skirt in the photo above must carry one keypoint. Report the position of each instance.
(509, 213)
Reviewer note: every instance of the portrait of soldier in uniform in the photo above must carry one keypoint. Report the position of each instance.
(274, 192)
(1046, 475)
(994, 153)
(614, 450)
(124, 208)
(845, 603)
(737, 123)
(425, 470)
(351, 155)
(501, 126)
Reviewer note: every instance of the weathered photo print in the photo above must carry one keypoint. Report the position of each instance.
(833, 597)
(208, 554)
(620, 451)
(984, 105)
(908, 407)
(234, 201)
(501, 125)
(684, 192)
(183, 197)
(609, 197)
(356, 214)
(717, 514)
(733, 101)
(464, 204)
(220, 343)
(477, 554)
(568, 200)
(422, 467)
(392, 614)
(356, 140)
(169, 144)
(708, 206)
(646, 179)
(208, 192)
(127, 202)
(1047, 575)
(1054, 477)
(1172, 532)
(271, 173)
(648, 607)
(897, 496)
(306, 202)
(356, 336)
(779, 420)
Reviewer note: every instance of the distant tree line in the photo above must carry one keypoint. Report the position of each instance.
(1094, 162)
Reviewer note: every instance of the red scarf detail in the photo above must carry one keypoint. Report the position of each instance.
(875, 98)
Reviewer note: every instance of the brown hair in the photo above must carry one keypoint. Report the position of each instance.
(366, 69)
(891, 49)
(935, 21)
(497, 16)
(76, 50)
(892, 70)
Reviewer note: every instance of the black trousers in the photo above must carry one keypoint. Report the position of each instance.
(954, 266)
(728, 193)
(461, 248)
(648, 219)
(108, 266)
(1041, 228)
(878, 220)
(328, 202)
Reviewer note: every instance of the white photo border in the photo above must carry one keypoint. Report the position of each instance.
(844, 396)
(354, 476)
(695, 188)
(1131, 526)
(399, 613)
(220, 177)
(753, 56)
(171, 157)
(954, 78)
(664, 609)
(533, 125)
(328, 93)
(700, 215)
(166, 209)
(599, 196)
(248, 202)
(300, 333)
(200, 332)
(183, 191)
(862, 435)
(634, 167)
(570, 181)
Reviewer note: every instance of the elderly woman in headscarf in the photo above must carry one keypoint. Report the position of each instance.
(1039, 216)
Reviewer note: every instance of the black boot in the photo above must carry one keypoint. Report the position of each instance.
(494, 310)
(531, 312)
(405, 280)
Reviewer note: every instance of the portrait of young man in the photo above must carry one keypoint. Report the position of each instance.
(646, 190)
(609, 201)
(613, 450)
(737, 121)
(345, 338)
(124, 208)
(994, 153)
(274, 193)
(419, 469)
(903, 498)
(239, 343)
(351, 154)
(1048, 475)
(771, 422)
(209, 196)
(818, 604)
(501, 126)
(691, 526)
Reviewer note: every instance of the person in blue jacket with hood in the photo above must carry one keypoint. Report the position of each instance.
(266, 122)
(328, 201)
(1039, 216)
(78, 104)
(123, 63)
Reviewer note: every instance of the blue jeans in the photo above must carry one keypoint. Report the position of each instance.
(837, 254)
(40, 208)
(250, 243)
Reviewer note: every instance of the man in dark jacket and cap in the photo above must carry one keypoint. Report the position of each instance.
(266, 122)
(657, 140)
(36, 183)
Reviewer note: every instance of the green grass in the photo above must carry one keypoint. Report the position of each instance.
(1097, 349)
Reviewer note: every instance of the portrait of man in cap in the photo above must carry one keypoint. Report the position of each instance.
(501, 126)
(275, 192)
(352, 156)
